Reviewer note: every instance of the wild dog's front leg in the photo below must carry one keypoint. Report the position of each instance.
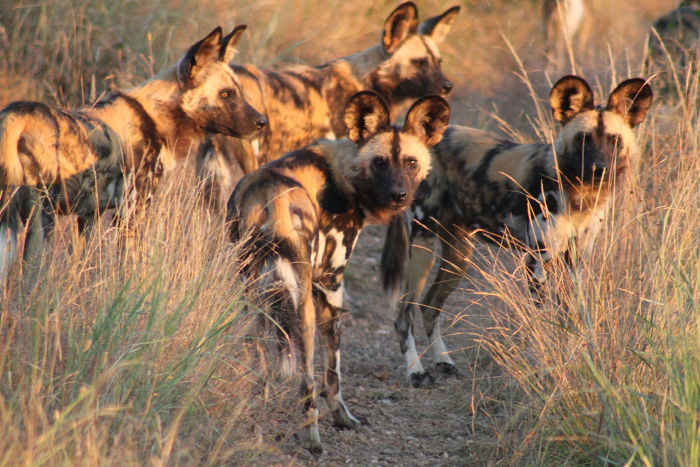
(420, 264)
(138, 195)
(537, 276)
(456, 253)
(328, 307)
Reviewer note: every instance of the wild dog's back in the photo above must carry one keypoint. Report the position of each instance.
(274, 209)
(485, 177)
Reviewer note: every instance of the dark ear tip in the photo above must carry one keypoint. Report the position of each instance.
(365, 97)
(455, 8)
(240, 27)
(569, 79)
(405, 6)
(638, 86)
(436, 102)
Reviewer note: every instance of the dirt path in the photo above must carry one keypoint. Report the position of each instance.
(408, 426)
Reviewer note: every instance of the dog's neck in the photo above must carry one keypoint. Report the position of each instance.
(365, 62)
(161, 97)
(348, 75)
(341, 155)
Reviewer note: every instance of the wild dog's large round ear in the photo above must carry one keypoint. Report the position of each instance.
(200, 55)
(366, 114)
(427, 119)
(229, 43)
(401, 23)
(631, 100)
(437, 27)
(570, 95)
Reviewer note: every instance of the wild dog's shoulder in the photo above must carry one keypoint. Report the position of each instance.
(309, 168)
(321, 168)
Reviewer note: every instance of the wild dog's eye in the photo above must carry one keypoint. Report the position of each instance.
(225, 93)
(580, 138)
(420, 62)
(411, 163)
(378, 163)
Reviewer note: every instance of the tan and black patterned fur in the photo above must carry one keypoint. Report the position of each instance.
(674, 43)
(300, 216)
(305, 103)
(91, 159)
(541, 197)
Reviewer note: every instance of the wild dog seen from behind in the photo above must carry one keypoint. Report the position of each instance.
(88, 160)
(542, 198)
(567, 28)
(300, 216)
(674, 45)
(304, 103)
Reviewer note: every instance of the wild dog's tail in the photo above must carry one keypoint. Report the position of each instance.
(11, 172)
(395, 256)
(9, 226)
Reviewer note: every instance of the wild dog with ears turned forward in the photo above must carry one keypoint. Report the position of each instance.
(300, 217)
(76, 162)
(542, 197)
(305, 103)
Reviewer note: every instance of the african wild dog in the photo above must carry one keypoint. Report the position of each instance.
(85, 161)
(306, 103)
(675, 40)
(300, 217)
(567, 24)
(538, 197)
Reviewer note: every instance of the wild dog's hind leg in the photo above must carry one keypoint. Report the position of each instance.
(455, 252)
(307, 333)
(38, 223)
(419, 266)
(328, 307)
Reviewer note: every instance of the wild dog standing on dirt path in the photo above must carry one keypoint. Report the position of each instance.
(567, 24)
(306, 103)
(76, 162)
(542, 198)
(300, 216)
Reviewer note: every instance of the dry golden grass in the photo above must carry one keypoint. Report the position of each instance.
(143, 360)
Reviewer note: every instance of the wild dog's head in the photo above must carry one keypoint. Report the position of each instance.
(211, 93)
(412, 67)
(596, 143)
(391, 162)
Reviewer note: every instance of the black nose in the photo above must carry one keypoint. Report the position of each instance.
(260, 123)
(447, 87)
(599, 167)
(398, 196)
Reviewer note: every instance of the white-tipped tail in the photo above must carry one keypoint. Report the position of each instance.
(8, 248)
